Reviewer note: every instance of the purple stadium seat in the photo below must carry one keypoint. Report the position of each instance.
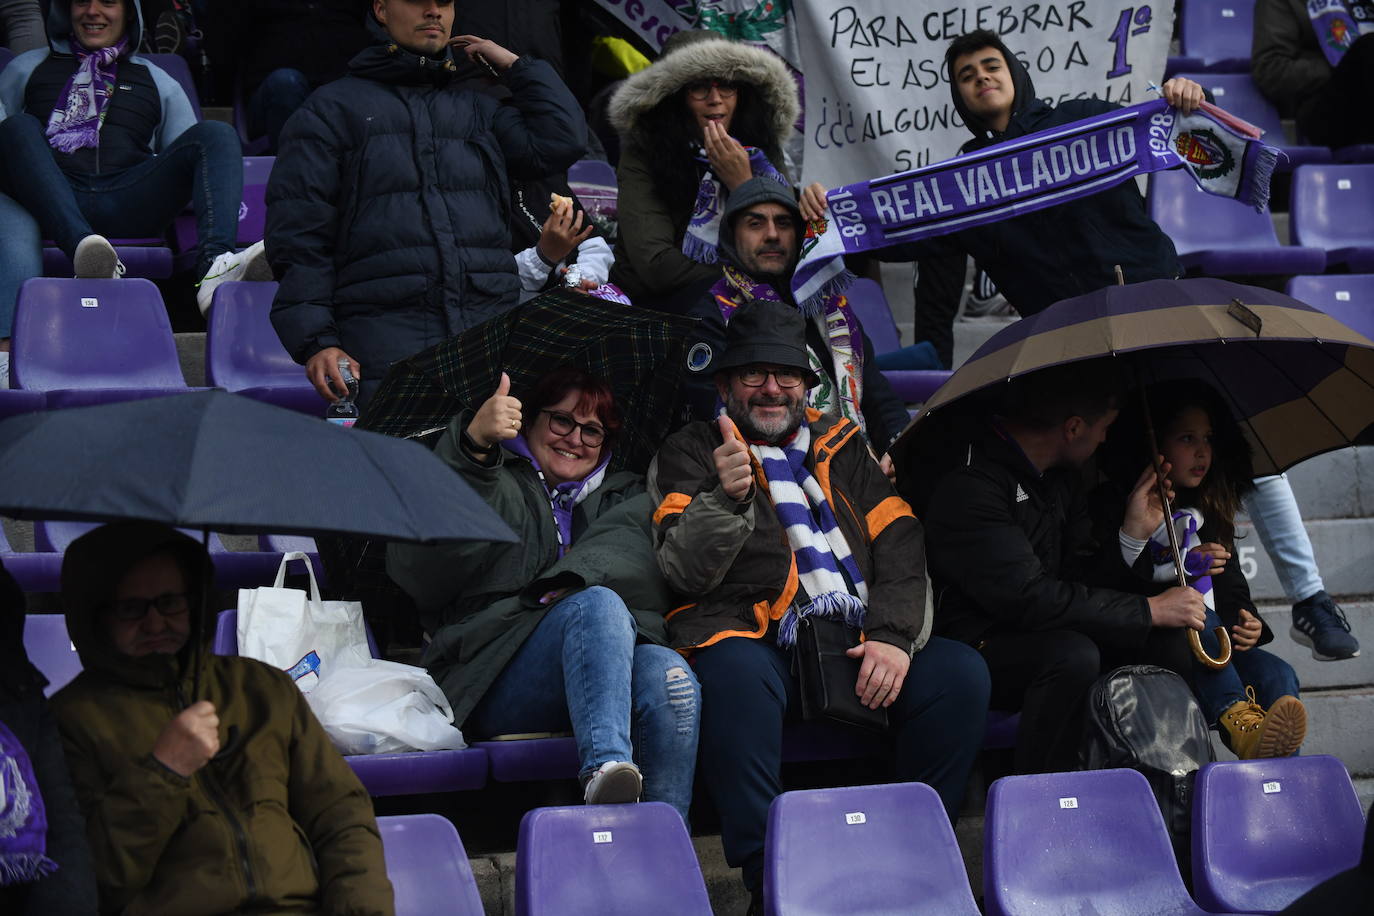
(293, 543)
(914, 386)
(1332, 208)
(233, 568)
(1221, 237)
(51, 650)
(93, 341)
(14, 402)
(863, 849)
(252, 209)
(531, 759)
(1236, 93)
(1360, 152)
(1347, 297)
(243, 353)
(35, 572)
(1055, 841)
(1265, 832)
(149, 258)
(1215, 34)
(405, 773)
(595, 185)
(428, 866)
(607, 860)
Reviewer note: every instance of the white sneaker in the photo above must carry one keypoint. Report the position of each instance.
(249, 264)
(96, 260)
(616, 782)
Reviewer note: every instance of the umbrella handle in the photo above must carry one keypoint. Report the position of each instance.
(1223, 639)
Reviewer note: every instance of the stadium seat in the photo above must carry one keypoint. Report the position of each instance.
(863, 849)
(1265, 832)
(51, 650)
(595, 185)
(1236, 93)
(428, 866)
(233, 568)
(243, 353)
(294, 543)
(14, 402)
(1347, 297)
(39, 571)
(93, 341)
(1054, 841)
(1219, 237)
(404, 773)
(252, 211)
(1332, 208)
(607, 860)
(148, 258)
(914, 386)
(1214, 35)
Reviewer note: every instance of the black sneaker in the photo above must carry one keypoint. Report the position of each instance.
(1320, 624)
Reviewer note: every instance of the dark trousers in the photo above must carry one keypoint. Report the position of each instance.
(748, 692)
(1342, 112)
(1046, 676)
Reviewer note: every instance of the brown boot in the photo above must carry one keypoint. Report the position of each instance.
(1250, 732)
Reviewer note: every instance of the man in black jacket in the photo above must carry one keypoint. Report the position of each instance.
(387, 208)
(1016, 574)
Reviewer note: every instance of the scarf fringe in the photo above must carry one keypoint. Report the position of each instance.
(838, 285)
(835, 605)
(25, 867)
(1266, 160)
(701, 250)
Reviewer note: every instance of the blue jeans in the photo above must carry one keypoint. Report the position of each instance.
(21, 257)
(748, 692)
(1274, 513)
(1271, 676)
(204, 166)
(580, 668)
(274, 101)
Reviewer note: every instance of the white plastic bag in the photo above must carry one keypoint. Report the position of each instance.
(295, 631)
(383, 708)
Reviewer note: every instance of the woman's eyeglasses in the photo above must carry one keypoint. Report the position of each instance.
(702, 90)
(563, 424)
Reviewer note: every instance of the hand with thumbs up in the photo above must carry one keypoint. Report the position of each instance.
(732, 462)
(498, 419)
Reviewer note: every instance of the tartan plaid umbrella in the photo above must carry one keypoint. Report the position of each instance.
(640, 353)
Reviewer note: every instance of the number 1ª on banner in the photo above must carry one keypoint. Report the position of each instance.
(1121, 36)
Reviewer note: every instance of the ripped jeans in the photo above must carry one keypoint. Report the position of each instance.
(580, 668)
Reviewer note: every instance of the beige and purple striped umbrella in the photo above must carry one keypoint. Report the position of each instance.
(1299, 381)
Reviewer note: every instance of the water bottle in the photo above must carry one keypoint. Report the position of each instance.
(344, 411)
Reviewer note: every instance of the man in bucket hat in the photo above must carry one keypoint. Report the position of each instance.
(775, 512)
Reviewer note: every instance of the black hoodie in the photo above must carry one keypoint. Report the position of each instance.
(1063, 251)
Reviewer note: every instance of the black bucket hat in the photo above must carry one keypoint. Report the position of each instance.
(765, 331)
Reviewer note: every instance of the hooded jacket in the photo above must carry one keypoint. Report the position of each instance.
(148, 111)
(277, 822)
(1286, 59)
(480, 600)
(388, 208)
(884, 413)
(649, 262)
(1039, 258)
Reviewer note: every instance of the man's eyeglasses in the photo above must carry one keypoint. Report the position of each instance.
(172, 604)
(754, 377)
(702, 90)
(563, 424)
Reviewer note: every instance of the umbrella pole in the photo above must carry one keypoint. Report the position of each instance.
(198, 621)
(1223, 638)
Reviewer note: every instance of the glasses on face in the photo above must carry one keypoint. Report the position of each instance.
(172, 604)
(563, 424)
(702, 90)
(755, 377)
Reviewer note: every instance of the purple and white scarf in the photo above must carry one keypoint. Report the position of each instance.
(702, 239)
(75, 122)
(813, 533)
(1195, 565)
(565, 496)
(23, 820)
(1039, 170)
(1336, 29)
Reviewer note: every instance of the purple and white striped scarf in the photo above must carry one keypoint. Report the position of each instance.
(1195, 565)
(701, 242)
(1336, 29)
(75, 121)
(817, 542)
(1039, 170)
(23, 820)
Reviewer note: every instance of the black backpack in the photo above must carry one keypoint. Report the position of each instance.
(1145, 718)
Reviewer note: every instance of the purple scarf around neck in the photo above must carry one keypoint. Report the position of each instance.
(1336, 29)
(701, 242)
(23, 820)
(75, 123)
(564, 496)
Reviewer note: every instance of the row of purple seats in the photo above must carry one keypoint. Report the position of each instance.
(428, 866)
(1331, 207)
(1347, 297)
(1214, 36)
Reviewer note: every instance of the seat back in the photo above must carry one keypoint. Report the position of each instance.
(594, 182)
(1347, 297)
(428, 866)
(176, 67)
(870, 306)
(1217, 33)
(92, 334)
(608, 860)
(1332, 206)
(242, 349)
(51, 650)
(253, 210)
(1055, 840)
(899, 851)
(1265, 832)
(1198, 221)
(1237, 93)
(58, 536)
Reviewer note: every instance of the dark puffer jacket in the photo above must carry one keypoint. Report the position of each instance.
(387, 211)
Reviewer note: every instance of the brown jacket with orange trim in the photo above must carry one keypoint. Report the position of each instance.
(734, 561)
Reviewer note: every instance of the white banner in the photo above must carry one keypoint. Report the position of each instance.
(878, 101)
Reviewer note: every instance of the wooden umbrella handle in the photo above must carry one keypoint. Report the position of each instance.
(1200, 653)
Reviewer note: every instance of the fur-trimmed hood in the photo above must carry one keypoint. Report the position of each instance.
(711, 59)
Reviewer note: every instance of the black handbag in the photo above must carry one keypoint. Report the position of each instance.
(827, 676)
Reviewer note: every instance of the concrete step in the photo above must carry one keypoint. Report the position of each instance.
(1339, 484)
(1339, 723)
(1342, 546)
(1315, 675)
